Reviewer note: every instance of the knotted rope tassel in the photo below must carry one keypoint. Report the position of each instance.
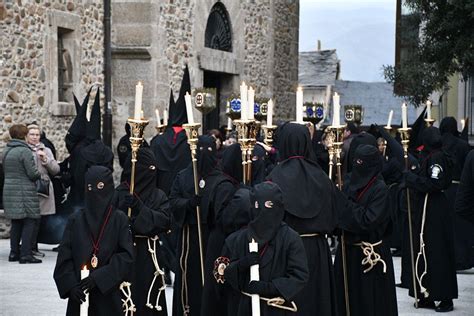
(422, 253)
(371, 256)
(158, 272)
(127, 303)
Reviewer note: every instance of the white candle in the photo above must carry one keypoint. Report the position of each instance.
(428, 110)
(85, 306)
(158, 118)
(404, 116)
(229, 123)
(251, 103)
(165, 117)
(390, 116)
(243, 101)
(189, 108)
(270, 113)
(336, 110)
(299, 105)
(138, 100)
(254, 276)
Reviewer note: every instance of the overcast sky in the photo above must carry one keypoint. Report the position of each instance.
(362, 32)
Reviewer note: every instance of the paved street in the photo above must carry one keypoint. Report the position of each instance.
(30, 289)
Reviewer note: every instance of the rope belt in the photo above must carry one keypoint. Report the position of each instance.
(371, 256)
(158, 272)
(276, 302)
(127, 303)
(456, 182)
(184, 267)
(309, 235)
(422, 253)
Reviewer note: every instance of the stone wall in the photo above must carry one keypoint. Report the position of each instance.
(26, 54)
(286, 29)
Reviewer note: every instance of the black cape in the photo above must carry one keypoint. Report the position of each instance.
(115, 261)
(309, 199)
(282, 262)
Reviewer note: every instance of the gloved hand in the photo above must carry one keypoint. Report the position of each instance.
(77, 294)
(195, 201)
(87, 284)
(130, 200)
(249, 260)
(266, 289)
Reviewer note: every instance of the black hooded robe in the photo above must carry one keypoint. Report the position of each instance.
(114, 263)
(432, 178)
(309, 199)
(465, 196)
(463, 230)
(283, 263)
(283, 269)
(110, 228)
(187, 284)
(150, 218)
(365, 217)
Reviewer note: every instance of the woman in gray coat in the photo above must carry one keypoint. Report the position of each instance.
(48, 167)
(20, 199)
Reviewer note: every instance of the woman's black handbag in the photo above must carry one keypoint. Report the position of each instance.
(42, 187)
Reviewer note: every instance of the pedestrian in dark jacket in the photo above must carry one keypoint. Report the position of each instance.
(20, 198)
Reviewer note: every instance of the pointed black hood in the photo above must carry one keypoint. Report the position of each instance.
(77, 130)
(177, 110)
(93, 126)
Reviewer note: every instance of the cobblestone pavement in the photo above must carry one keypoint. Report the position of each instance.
(30, 290)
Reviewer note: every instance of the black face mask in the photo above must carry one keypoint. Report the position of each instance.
(99, 186)
(232, 162)
(294, 140)
(267, 211)
(366, 165)
(258, 164)
(145, 172)
(449, 125)
(206, 154)
(431, 139)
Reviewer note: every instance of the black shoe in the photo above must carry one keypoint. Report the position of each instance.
(37, 253)
(29, 259)
(445, 306)
(423, 303)
(12, 257)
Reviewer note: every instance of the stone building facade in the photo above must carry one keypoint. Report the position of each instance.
(51, 48)
(48, 49)
(255, 41)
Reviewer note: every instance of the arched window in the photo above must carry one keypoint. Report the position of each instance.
(218, 29)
